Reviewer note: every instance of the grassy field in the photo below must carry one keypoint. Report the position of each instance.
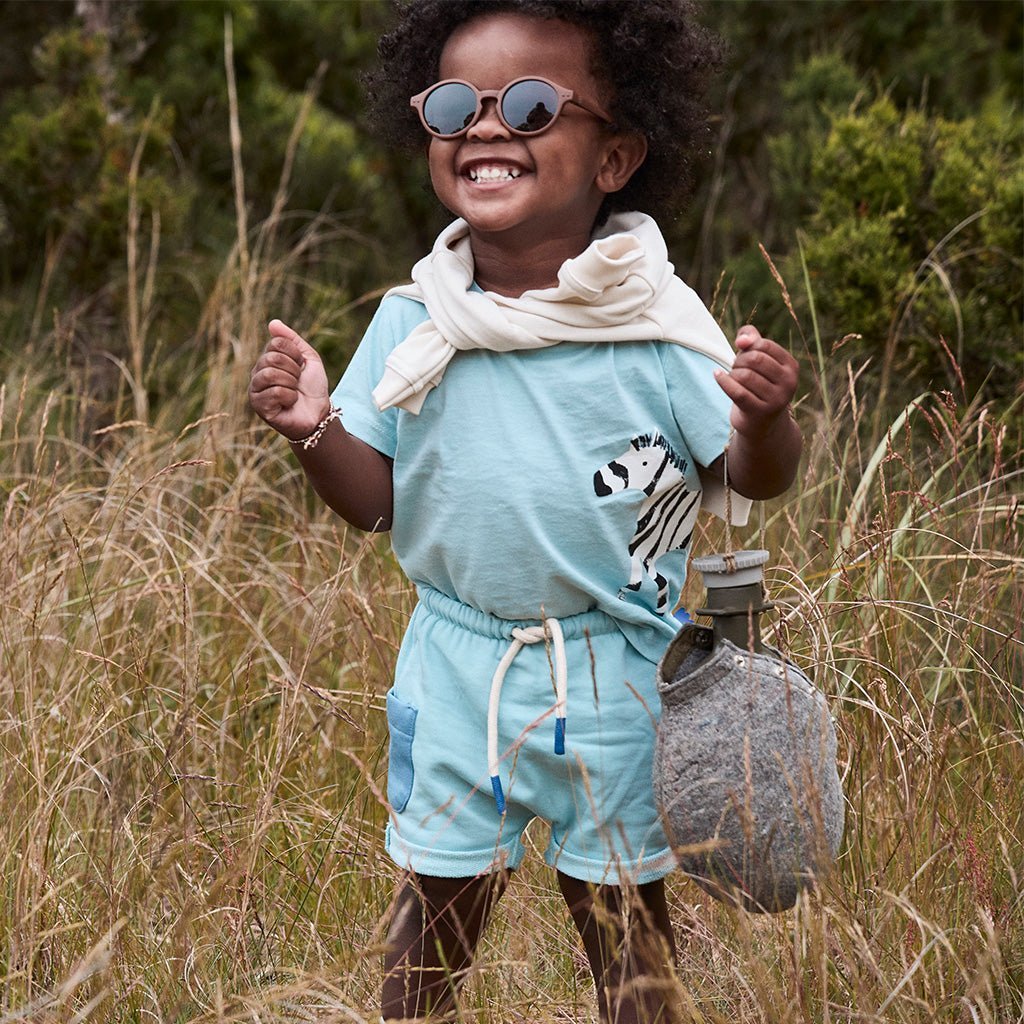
(193, 661)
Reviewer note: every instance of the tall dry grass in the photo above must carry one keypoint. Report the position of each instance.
(180, 740)
(193, 658)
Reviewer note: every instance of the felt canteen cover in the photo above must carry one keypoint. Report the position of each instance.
(745, 771)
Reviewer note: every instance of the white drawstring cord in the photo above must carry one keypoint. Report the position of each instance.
(521, 637)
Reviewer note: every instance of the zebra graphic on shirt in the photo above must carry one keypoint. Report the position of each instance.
(667, 515)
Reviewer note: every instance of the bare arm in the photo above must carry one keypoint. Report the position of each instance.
(289, 390)
(765, 450)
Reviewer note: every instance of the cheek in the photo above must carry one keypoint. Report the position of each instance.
(440, 166)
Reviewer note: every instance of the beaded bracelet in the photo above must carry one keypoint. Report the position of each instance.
(310, 441)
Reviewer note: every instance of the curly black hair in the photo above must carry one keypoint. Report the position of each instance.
(654, 55)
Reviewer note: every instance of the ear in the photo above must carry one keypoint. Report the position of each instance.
(625, 152)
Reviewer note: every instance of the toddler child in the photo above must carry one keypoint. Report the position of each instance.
(537, 420)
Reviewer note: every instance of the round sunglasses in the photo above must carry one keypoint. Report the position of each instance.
(527, 106)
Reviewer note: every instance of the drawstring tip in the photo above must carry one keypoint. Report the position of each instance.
(559, 735)
(499, 793)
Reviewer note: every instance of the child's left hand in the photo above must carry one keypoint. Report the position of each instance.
(761, 384)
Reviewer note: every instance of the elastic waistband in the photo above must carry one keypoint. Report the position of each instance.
(574, 627)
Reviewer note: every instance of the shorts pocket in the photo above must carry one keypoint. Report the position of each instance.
(402, 729)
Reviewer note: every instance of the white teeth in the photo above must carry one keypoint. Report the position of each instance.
(493, 173)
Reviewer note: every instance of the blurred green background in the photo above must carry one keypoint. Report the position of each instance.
(872, 148)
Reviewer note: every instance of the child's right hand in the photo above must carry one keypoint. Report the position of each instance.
(288, 387)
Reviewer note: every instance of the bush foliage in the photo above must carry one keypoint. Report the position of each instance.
(916, 235)
(903, 184)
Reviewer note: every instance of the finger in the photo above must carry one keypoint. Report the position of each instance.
(284, 339)
(273, 397)
(759, 372)
(765, 391)
(746, 398)
(766, 367)
(272, 403)
(278, 360)
(749, 339)
(733, 386)
(273, 377)
(747, 335)
(755, 395)
(279, 329)
(755, 363)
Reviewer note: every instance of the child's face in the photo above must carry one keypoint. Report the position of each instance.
(550, 185)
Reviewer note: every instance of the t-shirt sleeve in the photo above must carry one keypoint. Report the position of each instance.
(701, 408)
(391, 324)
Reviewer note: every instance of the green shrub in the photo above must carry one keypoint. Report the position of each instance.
(916, 236)
(66, 149)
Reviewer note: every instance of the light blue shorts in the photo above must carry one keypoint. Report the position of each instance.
(597, 796)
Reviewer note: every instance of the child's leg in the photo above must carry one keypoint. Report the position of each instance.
(434, 932)
(628, 939)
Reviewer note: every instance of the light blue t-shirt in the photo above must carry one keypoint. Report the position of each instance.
(550, 481)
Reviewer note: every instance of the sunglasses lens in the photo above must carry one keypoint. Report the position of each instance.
(529, 106)
(449, 108)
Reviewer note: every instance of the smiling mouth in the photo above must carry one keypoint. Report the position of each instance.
(486, 174)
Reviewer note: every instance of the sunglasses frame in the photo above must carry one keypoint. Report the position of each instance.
(563, 95)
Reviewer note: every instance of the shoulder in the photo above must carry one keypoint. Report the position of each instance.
(399, 307)
(681, 361)
(396, 317)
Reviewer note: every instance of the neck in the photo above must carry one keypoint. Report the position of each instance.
(511, 270)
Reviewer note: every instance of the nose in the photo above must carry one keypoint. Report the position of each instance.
(488, 126)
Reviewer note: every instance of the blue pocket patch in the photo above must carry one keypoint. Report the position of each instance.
(402, 727)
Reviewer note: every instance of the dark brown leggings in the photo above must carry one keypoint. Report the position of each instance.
(437, 924)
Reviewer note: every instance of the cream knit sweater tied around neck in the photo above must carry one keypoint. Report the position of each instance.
(622, 287)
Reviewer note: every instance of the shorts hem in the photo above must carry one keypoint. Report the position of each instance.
(648, 868)
(452, 863)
